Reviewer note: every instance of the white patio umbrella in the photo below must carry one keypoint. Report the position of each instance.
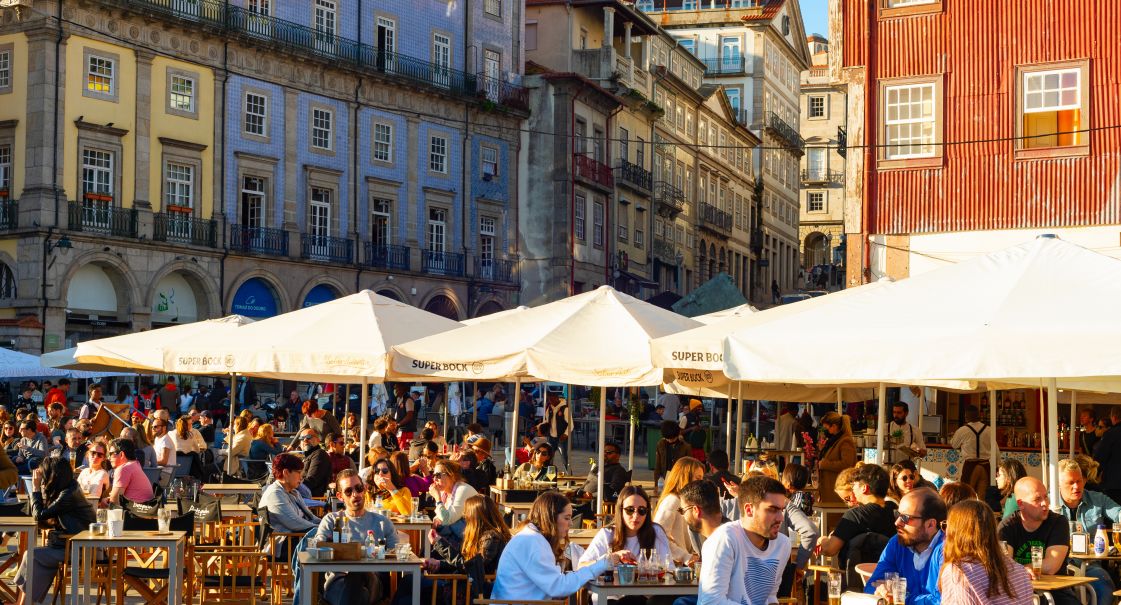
(14, 364)
(63, 359)
(598, 338)
(717, 316)
(344, 341)
(1039, 314)
(144, 351)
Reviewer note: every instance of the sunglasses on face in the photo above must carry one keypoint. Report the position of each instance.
(97, 454)
(905, 518)
(640, 510)
(114, 452)
(382, 471)
(683, 510)
(350, 491)
(542, 453)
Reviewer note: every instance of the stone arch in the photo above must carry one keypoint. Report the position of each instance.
(322, 280)
(815, 250)
(488, 306)
(199, 280)
(118, 272)
(9, 281)
(443, 302)
(283, 301)
(390, 290)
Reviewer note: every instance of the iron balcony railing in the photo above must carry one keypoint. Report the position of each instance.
(326, 248)
(593, 170)
(182, 228)
(665, 250)
(635, 175)
(496, 269)
(95, 215)
(823, 176)
(669, 199)
(386, 256)
(715, 218)
(723, 66)
(261, 240)
(256, 27)
(9, 213)
(443, 263)
(785, 131)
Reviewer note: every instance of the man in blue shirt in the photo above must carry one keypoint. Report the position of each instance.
(915, 553)
(1090, 508)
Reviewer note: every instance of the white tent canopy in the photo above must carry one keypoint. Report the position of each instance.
(143, 351)
(14, 364)
(63, 359)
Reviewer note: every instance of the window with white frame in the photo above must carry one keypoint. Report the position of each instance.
(623, 221)
(260, 7)
(100, 75)
(1053, 108)
(383, 142)
(179, 186)
(97, 174)
(437, 230)
(815, 201)
(487, 233)
(5, 68)
(438, 154)
(597, 224)
(5, 171)
(321, 124)
(381, 222)
(489, 161)
(816, 106)
(253, 201)
(910, 121)
(181, 96)
(492, 73)
(624, 144)
(639, 221)
(324, 21)
(578, 216)
(493, 7)
(256, 111)
(442, 59)
(319, 212)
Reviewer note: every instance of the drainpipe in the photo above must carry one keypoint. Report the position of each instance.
(869, 143)
(222, 175)
(354, 174)
(54, 153)
(465, 170)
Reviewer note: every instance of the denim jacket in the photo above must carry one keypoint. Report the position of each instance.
(1094, 508)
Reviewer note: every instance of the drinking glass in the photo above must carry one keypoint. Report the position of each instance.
(416, 508)
(1037, 560)
(551, 473)
(899, 591)
(102, 515)
(1117, 536)
(163, 520)
(834, 588)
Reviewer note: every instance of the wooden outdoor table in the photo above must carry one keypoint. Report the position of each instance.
(310, 567)
(613, 589)
(1046, 584)
(237, 490)
(821, 511)
(25, 530)
(173, 542)
(817, 571)
(421, 527)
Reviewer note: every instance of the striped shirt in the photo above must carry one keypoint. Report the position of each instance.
(735, 572)
(968, 584)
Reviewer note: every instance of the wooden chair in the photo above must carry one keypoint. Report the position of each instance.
(100, 576)
(607, 514)
(482, 601)
(223, 575)
(278, 547)
(456, 580)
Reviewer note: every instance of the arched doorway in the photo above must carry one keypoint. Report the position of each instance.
(389, 294)
(443, 306)
(176, 302)
(256, 298)
(815, 250)
(97, 303)
(488, 308)
(319, 294)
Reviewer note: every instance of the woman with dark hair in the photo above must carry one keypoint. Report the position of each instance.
(633, 530)
(450, 492)
(956, 491)
(417, 484)
(55, 499)
(904, 479)
(386, 483)
(323, 422)
(287, 511)
(540, 460)
(1008, 472)
(530, 566)
(484, 538)
(975, 569)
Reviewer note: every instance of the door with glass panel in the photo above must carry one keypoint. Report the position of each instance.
(258, 22)
(325, 27)
(441, 60)
(437, 240)
(387, 43)
(252, 211)
(97, 190)
(319, 224)
(486, 247)
(380, 231)
(492, 63)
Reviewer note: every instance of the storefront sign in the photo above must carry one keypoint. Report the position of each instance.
(254, 299)
(319, 294)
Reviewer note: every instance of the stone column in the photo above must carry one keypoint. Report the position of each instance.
(143, 160)
(43, 172)
(627, 38)
(293, 197)
(608, 25)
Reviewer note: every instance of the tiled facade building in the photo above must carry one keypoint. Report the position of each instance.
(163, 161)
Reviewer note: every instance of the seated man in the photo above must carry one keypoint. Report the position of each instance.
(32, 446)
(872, 514)
(354, 588)
(1089, 508)
(287, 511)
(129, 479)
(1035, 525)
(915, 553)
(614, 476)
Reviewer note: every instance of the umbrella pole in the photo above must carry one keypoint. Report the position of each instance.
(881, 410)
(992, 438)
(840, 400)
(728, 427)
(1053, 438)
(1073, 416)
(447, 400)
(630, 427)
(739, 428)
(514, 428)
(758, 435)
(475, 405)
(230, 425)
(362, 426)
(601, 437)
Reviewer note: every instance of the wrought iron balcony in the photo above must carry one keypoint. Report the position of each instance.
(260, 240)
(386, 256)
(9, 213)
(665, 251)
(715, 219)
(786, 132)
(634, 175)
(725, 66)
(182, 228)
(593, 171)
(823, 176)
(499, 270)
(668, 200)
(259, 28)
(326, 248)
(95, 214)
(443, 263)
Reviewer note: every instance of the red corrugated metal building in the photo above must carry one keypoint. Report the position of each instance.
(980, 115)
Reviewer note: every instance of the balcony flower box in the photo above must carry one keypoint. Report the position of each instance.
(173, 209)
(98, 197)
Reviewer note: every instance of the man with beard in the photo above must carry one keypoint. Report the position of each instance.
(1034, 525)
(915, 553)
(742, 562)
(903, 434)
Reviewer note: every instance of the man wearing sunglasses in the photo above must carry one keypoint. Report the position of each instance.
(354, 588)
(614, 475)
(129, 480)
(317, 464)
(915, 553)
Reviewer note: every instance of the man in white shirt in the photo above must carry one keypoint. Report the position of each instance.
(163, 444)
(974, 441)
(742, 562)
(671, 404)
(903, 434)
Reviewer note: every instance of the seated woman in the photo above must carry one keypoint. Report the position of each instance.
(56, 499)
(633, 530)
(288, 513)
(417, 484)
(530, 565)
(94, 478)
(904, 479)
(975, 569)
(685, 470)
(186, 438)
(538, 464)
(484, 538)
(450, 492)
(264, 447)
(385, 483)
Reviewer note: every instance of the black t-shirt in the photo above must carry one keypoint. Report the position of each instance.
(1055, 531)
(863, 519)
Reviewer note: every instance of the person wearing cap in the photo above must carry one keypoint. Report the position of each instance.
(205, 426)
(482, 449)
(317, 464)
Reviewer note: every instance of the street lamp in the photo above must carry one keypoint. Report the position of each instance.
(62, 243)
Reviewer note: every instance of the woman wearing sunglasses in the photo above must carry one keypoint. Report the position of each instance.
(537, 467)
(632, 530)
(484, 538)
(450, 492)
(386, 483)
(94, 478)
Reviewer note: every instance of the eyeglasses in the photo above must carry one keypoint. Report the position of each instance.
(382, 471)
(905, 518)
(350, 491)
(439, 475)
(640, 510)
(114, 452)
(683, 510)
(542, 452)
(97, 454)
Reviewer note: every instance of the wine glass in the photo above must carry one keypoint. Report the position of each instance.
(551, 473)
